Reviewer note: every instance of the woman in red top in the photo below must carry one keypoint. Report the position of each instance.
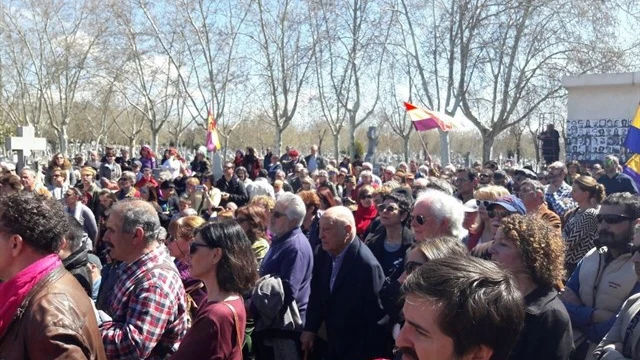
(366, 211)
(220, 256)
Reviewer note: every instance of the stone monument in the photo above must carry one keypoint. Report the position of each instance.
(599, 110)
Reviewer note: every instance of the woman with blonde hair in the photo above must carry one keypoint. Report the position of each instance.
(534, 254)
(581, 223)
(181, 234)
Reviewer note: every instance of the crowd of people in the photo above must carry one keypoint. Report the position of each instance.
(304, 257)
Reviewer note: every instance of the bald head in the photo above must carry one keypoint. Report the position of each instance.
(337, 229)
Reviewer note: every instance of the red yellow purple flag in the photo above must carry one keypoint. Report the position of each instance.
(213, 141)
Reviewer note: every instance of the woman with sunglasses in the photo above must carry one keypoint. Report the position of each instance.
(366, 210)
(60, 163)
(581, 224)
(178, 240)
(221, 256)
(480, 232)
(533, 253)
(623, 339)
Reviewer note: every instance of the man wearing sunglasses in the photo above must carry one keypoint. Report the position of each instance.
(605, 277)
(613, 180)
(436, 214)
(290, 258)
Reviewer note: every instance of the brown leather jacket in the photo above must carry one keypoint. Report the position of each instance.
(55, 321)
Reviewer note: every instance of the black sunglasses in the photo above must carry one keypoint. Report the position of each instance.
(389, 208)
(193, 247)
(494, 213)
(411, 266)
(277, 214)
(367, 196)
(419, 219)
(612, 218)
(484, 203)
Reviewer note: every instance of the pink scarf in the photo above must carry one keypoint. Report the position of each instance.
(14, 291)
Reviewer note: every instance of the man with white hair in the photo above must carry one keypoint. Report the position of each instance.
(290, 258)
(30, 182)
(345, 292)
(558, 194)
(314, 161)
(436, 214)
(375, 180)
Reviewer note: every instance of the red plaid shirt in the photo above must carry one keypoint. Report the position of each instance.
(148, 309)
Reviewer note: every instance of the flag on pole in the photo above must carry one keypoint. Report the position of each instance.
(213, 141)
(632, 168)
(424, 120)
(632, 141)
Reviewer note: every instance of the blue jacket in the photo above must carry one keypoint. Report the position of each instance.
(290, 257)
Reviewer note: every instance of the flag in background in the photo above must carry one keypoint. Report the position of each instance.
(424, 119)
(213, 141)
(632, 142)
(632, 168)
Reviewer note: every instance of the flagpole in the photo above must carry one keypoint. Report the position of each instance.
(424, 145)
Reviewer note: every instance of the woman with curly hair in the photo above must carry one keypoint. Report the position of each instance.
(60, 162)
(147, 158)
(534, 254)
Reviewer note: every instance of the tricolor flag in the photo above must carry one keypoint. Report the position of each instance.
(424, 119)
(632, 168)
(633, 134)
(213, 141)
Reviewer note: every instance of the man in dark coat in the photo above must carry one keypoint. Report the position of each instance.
(232, 188)
(550, 144)
(74, 255)
(345, 288)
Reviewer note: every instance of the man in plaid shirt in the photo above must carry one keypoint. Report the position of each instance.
(147, 313)
(558, 194)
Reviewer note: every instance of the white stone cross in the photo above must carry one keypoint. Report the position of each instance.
(24, 144)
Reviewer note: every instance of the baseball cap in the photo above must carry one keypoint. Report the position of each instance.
(509, 202)
(471, 206)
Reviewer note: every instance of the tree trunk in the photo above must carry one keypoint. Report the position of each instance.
(278, 144)
(155, 133)
(224, 149)
(63, 139)
(336, 146)
(352, 139)
(406, 147)
(487, 146)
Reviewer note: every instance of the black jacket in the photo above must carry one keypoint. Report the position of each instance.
(351, 311)
(77, 265)
(236, 190)
(390, 293)
(547, 329)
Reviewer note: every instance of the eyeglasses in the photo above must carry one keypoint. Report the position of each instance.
(228, 167)
(612, 218)
(502, 214)
(193, 247)
(277, 214)
(366, 196)
(389, 208)
(483, 203)
(411, 266)
(418, 218)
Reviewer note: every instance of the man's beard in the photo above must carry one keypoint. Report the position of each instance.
(611, 240)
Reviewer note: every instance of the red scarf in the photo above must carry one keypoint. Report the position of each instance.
(14, 291)
(364, 216)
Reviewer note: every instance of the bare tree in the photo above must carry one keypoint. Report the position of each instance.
(59, 39)
(280, 32)
(202, 38)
